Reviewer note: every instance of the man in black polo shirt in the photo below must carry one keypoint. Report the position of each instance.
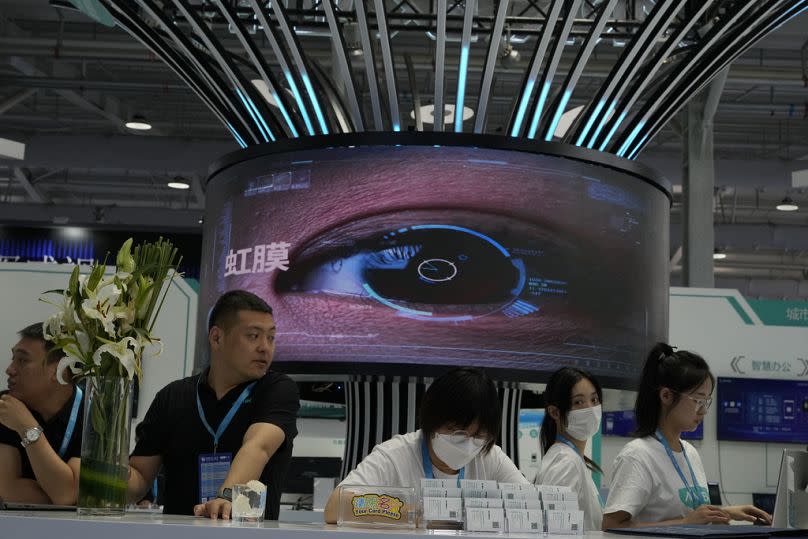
(232, 423)
(40, 426)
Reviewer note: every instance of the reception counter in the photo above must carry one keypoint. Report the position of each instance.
(58, 525)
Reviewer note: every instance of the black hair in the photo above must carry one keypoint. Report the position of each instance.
(230, 303)
(460, 397)
(558, 393)
(36, 333)
(681, 371)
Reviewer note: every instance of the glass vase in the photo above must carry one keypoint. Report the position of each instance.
(105, 446)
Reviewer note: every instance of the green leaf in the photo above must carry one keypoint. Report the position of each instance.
(98, 419)
(59, 291)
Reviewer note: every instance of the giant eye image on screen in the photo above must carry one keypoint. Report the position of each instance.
(753, 410)
(396, 259)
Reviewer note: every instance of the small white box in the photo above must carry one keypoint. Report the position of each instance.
(432, 492)
(520, 495)
(483, 502)
(481, 493)
(522, 504)
(525, 521)
(478, 484)
(438, 483)
(443, 509)
(485, 520)
(565, 522)
(561, 506)
(516, 486)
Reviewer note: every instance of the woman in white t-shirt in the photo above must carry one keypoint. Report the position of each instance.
(658, 478)
(573, 411)
(460, 418)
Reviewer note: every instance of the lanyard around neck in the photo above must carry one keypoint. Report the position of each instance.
(568, 442)
(227, 419)
(71, 424)
(695, 491)
(428, 472)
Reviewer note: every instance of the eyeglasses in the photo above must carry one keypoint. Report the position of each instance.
(460, 436)
(701, 404)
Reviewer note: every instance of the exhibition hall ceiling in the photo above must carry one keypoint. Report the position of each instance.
(71, 84)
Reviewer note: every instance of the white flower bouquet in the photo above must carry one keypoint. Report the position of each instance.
(104, 325)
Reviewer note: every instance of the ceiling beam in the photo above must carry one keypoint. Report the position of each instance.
(15, 100)
(26, 68)
(23, 177)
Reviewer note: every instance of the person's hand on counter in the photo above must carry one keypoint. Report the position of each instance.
(749, 513)
(215, 508)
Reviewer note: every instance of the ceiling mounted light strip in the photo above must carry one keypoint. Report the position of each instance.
(463, 67)
(578, 66)
(549, 72)
(297, 57)
(389, 64)
(260, 66)
(647, 70)
(341, 53)
(606, 103)
(515, 127)
(219, 54)
(672, 50)
(440, 64)
(494, 43)
(713, 64)
(370, 64)
(283, 62)
(146, 35)
(416, 95)
(201, 63)
(683, 71)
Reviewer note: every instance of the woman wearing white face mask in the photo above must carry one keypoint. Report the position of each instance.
(460, 418)
(572, 403)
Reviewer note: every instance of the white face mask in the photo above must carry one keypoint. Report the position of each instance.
(584, 423)
(455, 454)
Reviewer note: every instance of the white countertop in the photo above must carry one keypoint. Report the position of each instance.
(67, 525)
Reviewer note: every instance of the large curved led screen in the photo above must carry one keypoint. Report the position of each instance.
(393, 258)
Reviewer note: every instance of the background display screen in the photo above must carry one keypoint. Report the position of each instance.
(623, 423)
(395, 259)
(756, 410)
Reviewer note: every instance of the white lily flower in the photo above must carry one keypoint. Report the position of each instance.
(101, 305)
(83, 342)
(124, 351)
(151, 349)
(67, 362)
(53, 326)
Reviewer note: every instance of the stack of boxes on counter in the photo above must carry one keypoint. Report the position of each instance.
(500, 507)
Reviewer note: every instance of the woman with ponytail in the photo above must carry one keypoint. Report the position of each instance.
(659, 478)
(572, 416)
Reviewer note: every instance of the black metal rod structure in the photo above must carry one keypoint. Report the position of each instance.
(253, 65)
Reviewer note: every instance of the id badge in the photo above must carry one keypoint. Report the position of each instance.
(213, 469)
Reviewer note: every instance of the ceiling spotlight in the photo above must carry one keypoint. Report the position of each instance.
(787, 205)
(508, 55)
(719, 254)
(178, 183)
(138, 123)
(201, 221)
